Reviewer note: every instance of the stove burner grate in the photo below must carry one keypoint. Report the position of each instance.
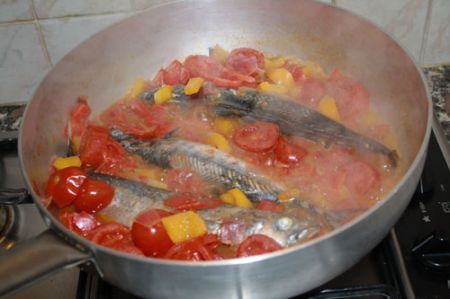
(7, 220)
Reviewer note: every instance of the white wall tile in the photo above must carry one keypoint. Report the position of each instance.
(22, 61)
(15, 10)
(437, 48)
(403, 19)
(62, 35)
(62, 8)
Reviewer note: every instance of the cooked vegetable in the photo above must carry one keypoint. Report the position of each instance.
(138, 87)
(184, 226)
(257, 137)
(163, 94)
(237, 198)
(64, 162)
(64, 185)
(327, 106)
(193, 86)
(257, 244)
(281, 76)
(93, 196)
(218, 141)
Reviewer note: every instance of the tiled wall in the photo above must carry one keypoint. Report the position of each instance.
(35, 34)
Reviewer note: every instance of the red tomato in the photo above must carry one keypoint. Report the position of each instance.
(184, 180)
(257, 244)
(198, 249)
(80, 223)
(175, 73)
(246, 61)
(186, 201)
(78, 118)
(288, 153)
(351, 97)
(360, 177)
(232, 232)
(257, 137)
(312, 92)
(115, 236)
(296, 72)
(94, 195)
(149, 234)
(203, 66)
(101, 152)
(267, 205)
(64, 184)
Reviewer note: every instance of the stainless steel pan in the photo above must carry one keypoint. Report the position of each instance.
(105, 66)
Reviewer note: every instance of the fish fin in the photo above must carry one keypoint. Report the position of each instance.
(170, 134)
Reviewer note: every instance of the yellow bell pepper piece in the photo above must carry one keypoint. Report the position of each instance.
(163, 94)
(219, 53)
(218, 141)
(281, 76)
(327, 106)
(313, 69)
(236, 197)
(62, 162)
(193, 85)
(269, 87)
(137, 88)
(224, 125)
(288, 195)
(273, 63)
(184, 226)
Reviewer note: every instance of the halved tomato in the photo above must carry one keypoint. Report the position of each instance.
(94, 195)
(257, 244)
(80, 223)
(257, 137)
(288, 153)
(197, 249)
(64, 185)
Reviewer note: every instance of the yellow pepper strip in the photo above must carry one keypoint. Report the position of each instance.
(224, 126)
(218, 141)
(62, 162)
(184, 226)
(236, 197)
(163, 94)
(269, 87)
(273, 63)
(193, 86)
(281, 76)
(327, 106)
(288, 195)
(137, 88)
(219, 53)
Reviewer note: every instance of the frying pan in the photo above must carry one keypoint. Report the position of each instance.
(106, 65)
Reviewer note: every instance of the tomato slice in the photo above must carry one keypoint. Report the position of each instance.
(257, 137)
(78, 118)
(197, 249)
(257, 244)
(203, 66)
(360, 177)
(184, 180)
(267, 205)
(115, 236)
(80, 223)
(149, 234)
(94, 195)
(175, 73)
(289, 153)
(296, 72)
(186, 201)
(101, 152)
(64, 184)
(246, 61)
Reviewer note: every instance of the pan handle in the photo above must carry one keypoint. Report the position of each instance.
(35, 258)
(14, 196)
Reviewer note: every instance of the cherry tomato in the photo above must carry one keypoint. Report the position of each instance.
(288, 153)
(257, 244)
(115, 236)
(360, 177)
(203, 66)
(267, 205)
(184, 180)
(94, 195)
(197, 249)
(149, 234)
(78, 118)
(175, 73)
(100, 151)
(257, 137)
(80, 223)
(186, 201)
(64, 184)
(296, 72)
(245, 61)
(312, 92)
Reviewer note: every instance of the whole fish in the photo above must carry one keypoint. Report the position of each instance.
(216, 167)
(231, 224)
(294, 119)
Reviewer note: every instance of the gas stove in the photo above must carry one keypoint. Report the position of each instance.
(413, 261)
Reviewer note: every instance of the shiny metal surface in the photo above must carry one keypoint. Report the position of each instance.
(104, 67)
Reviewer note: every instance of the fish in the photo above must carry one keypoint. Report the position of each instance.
(231, 224)
(130, 198)
(216, 167)
(294, 118)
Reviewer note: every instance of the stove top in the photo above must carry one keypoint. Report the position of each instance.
(412, 262)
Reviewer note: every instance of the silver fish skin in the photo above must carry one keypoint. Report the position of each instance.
(234, 224)
(216, 167)
(131, 198)
(294, 119)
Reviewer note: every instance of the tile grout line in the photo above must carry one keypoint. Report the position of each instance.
(41, 35)
(426, 30)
